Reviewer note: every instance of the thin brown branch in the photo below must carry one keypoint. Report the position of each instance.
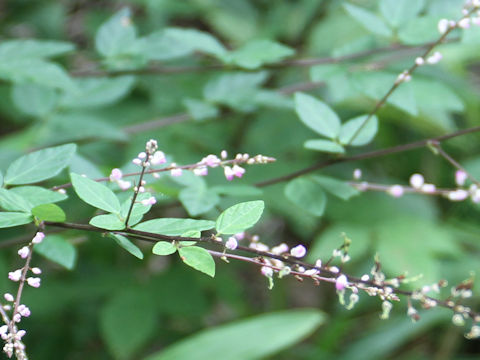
(367, 155)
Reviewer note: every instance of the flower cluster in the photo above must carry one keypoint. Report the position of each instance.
(9, 332)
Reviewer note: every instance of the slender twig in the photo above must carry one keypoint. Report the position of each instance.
(23, 278)
(165, 70)
(408, 72)
(453, 162)
(137, 188)
(368, 155)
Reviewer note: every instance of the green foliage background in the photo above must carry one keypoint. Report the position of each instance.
(88, 86)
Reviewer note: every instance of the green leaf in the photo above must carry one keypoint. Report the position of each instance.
(95, 194)
(49, 212)
(256, 53)
(317, 115)
(198, 258)
(324, 145)
(198, 199)
(237, 190)
(419, 30)
(368, 20)
(307, 194)
(117, 35)
(397, 12)
(200, 110)
(95, 92)
(36, 71)
(27, 49)
(39, 165)
(339, 188)
(234, 89)
(364, 136)
(173, 43)
(239, 217)
(108, 222)
(1, 178)
(127, 322)
(127, 245)
(174, 227)
(9, 219)
(164, 248)
(13, 202)
(34, 99)
(261, 337)
(55, 248)
(138, 209)
(37, 195)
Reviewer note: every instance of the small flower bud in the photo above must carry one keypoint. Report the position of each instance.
(460, 177)
(428, 188)
(341, 283)
(298, 251)
(39, 236)
(396, 191)
(24, 252)
(15, 275)
(124, 185)
(224, 154)
(416, 180)
(201, 171)
(266, 271)
(158, 158)
(419, 61)
(443, 25)
(34, 282)
(357, 174)
(231, 243)
(458, 195)
(8, 297)
(137, 161)
(36, 271)
(229, 174)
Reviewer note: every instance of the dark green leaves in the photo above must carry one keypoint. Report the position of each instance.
(95, 194)
(255, 338)
(39, 165)
(240, 217)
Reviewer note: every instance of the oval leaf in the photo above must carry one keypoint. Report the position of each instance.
(174, 227)
(239, 217)
(55, 248)
(127, 245)
(108, 222)
(37, 195)
(198, 258)
(261, 336)
(49, 212)
(95, 194)
(324, 145)
(9, 219)
(364, 136)
(13, 202)
(317, 115)
(164, 248)
(307, 195)
(39, 165)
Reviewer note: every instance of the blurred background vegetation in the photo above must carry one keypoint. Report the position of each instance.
(108, 304)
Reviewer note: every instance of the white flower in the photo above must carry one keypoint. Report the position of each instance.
(231, 243)
(298, 251)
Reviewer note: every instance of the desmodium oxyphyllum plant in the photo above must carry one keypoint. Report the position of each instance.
(155, 249)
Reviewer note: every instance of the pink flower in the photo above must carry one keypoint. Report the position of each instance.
(23, 252)
(36, 270)
(24, 310)
(201, 171)
(458, 195)
(124, 185)
(34, 282)
(137, 161)
(15, 275)
(238, 171)
(428, 188)
(229, 174)
(298, 251)
(341, 283)
(150, 201)
(142, 155)
(280, 249)
(158, 158)
(3, 329)
(8, 297)
(39, 236)
(460, 177)
(176, 172)
(224, 154)
(266, 271)
(240, 236)
(211, 160)
(20, 334)
(116, 174)
(231, 243)
(396, 191)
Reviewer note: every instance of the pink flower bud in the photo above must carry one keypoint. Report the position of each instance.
(116, 174)
(341, 283)
(8, 297)
(201, 171)
(428, 188)
(176, 172)
(150, 201)
(231, 243)
(137, 161)
(124, 185)
(443, 26)
(224, 154)
(238, 171)
(357, 174)
(416, 180)
(240, 236)
(211, 160)
(298, 251)
(23, 252)
(34, 282)
(39, 236)
(460, 177)
(396, 191)
(36, 270)
(142, 155)
(280, 249)
(158, 158)
(3, 329)
(266, 271)
(20, 334)
(458, 195)
(24, 310)
(15, 275)
(17, 318)
(229, 174)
